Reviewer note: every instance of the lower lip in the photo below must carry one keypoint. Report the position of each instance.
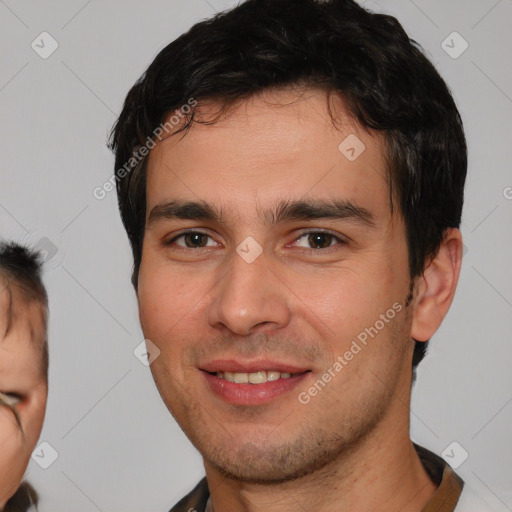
(252, 394)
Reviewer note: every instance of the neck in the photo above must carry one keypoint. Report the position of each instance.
(383, 472)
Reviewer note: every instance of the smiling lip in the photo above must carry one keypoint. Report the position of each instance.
(247, 393)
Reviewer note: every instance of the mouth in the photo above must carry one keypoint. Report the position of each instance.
(258, 377)
(252, 384)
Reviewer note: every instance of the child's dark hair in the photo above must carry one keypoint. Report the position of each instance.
(24, 498)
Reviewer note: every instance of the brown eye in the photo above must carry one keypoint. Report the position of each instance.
(193, 240)
(320, 240)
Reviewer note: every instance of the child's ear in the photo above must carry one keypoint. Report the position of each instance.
(435, 289)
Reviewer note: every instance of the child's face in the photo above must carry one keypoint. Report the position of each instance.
(23, 386)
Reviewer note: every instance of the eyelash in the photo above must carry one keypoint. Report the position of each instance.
(337, 238)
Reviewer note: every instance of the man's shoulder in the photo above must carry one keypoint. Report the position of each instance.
(195, 500)
(452, 493)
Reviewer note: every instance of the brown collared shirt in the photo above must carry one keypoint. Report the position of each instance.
(449, 487)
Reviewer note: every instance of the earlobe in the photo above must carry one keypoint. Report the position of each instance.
(435, 289)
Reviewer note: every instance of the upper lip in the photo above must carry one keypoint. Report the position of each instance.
(238, 366)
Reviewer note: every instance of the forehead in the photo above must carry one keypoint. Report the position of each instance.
(22, 331)
(279, 144)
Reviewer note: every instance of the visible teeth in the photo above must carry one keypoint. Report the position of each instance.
(253, 378)
(241, 378)
(258, 377)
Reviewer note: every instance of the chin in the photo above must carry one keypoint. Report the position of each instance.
(269, 476)
(270, 465)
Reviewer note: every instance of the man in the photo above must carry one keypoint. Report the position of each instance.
(290, 175)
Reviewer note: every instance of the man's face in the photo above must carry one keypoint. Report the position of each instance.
(23, 389)
(333, 263)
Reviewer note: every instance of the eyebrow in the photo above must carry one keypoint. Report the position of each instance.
(285, 211)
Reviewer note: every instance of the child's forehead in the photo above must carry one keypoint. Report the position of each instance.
(20, 357)
(5, 300)
(22, 323)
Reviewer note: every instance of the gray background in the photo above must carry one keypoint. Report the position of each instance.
(118, 447)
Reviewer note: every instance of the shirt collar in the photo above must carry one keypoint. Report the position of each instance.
(449, 484)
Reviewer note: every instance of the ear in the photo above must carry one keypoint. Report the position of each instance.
(435, 289)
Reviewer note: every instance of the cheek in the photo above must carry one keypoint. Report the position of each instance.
(169, 305)
(356, 304)
(156, 295)
(15, 450)
(9, 433)
(343, 299)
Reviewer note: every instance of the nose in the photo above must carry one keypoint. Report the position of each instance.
(249, 298)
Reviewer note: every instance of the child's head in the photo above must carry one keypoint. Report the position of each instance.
(23, 362)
